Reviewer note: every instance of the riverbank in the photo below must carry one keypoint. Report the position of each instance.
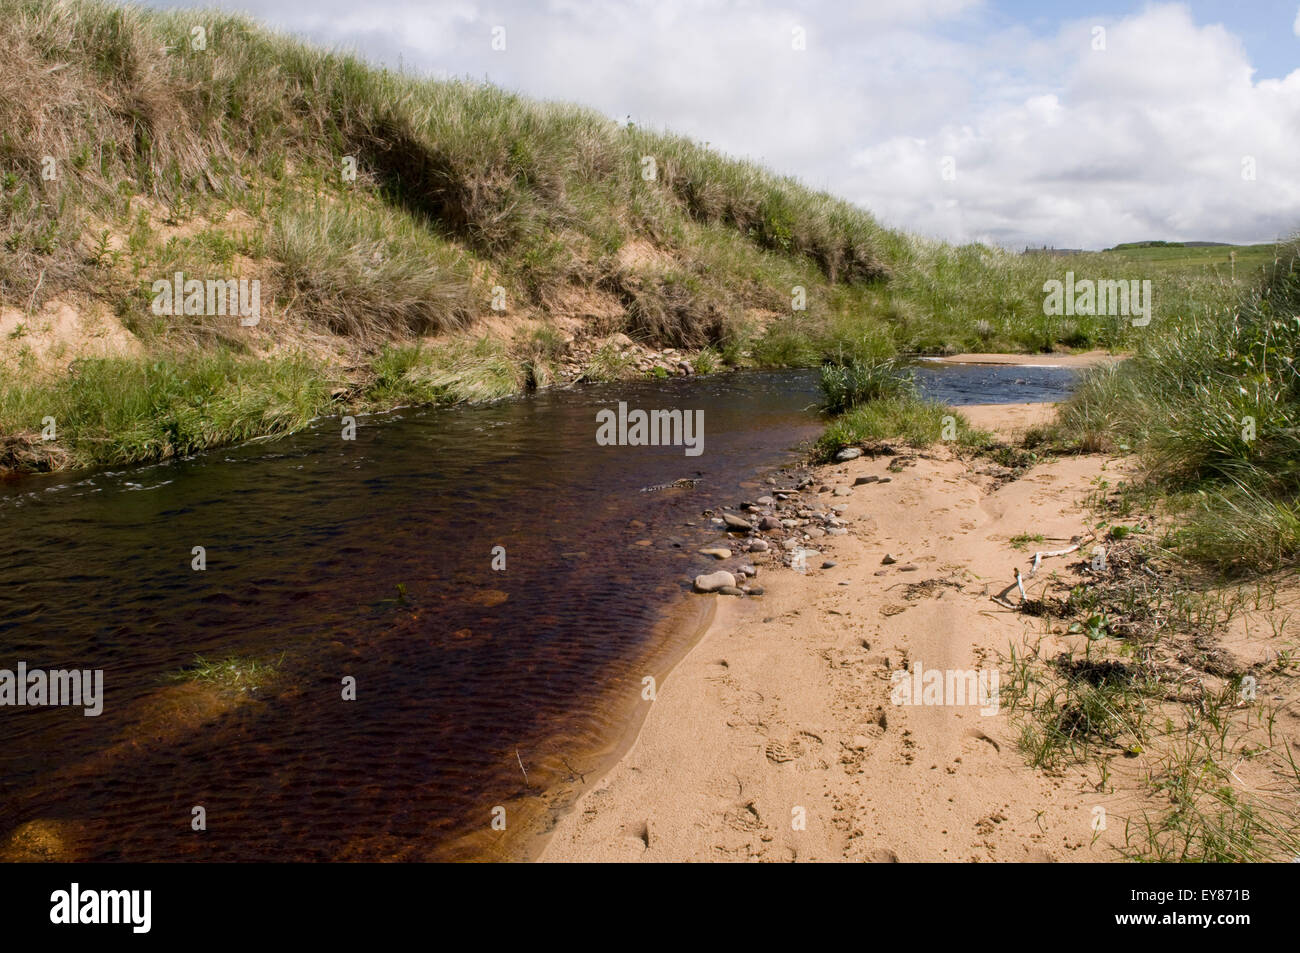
(393, 240)
(776, 737)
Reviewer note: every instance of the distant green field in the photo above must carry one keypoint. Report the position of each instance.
(1249, 258)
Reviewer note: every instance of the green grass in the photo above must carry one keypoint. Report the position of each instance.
(1211, 406)
(845, 386)
(230, 674)
(1022, 540)
(909, 419)
(126, 411)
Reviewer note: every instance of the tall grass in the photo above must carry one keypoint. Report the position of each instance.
(1212, 405)
(126, 411)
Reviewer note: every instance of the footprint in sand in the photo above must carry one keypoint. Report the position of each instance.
(744, 817)
(801, 748)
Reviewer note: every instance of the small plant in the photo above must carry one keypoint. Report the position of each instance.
(707, 361)
(231, 674)
(845, 386)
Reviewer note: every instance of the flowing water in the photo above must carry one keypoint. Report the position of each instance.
(371, 559)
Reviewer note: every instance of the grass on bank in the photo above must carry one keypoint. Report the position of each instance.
(235, 160)
(126, 411)
(871, 401)
(1211, 406)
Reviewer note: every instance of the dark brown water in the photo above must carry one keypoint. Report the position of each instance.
(461, 675)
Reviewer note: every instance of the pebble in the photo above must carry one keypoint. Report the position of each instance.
(769, 523)
(866, 479)
(790, 545)
(843, 491)
(717, 552)
(908, 568)
(730, 591)
(829, 564)
(736, 524)
(765, 501)
(758, 546)
(848, 453)
(837, 531)
(711, 582)
(888, 560)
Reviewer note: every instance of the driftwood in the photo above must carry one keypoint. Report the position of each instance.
(1001, 598)
(1040, 556)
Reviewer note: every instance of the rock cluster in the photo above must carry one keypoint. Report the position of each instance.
(779, 527)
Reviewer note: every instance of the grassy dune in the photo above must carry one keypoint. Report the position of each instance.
(475, 221)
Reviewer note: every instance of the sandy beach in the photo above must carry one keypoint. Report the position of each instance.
(776, 737)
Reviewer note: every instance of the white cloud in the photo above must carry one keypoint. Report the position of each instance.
(1146, 139)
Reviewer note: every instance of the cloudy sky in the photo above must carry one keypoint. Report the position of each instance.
(1016, 122)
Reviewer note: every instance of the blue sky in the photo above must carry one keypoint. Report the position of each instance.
(1264, 26)
(1004, 121)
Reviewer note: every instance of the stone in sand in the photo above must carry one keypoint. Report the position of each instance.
(713, 581)
(848, 453)
(866, 479)
(888, 560)
(843, 491)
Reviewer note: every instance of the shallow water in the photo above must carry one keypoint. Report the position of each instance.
(463, 676)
